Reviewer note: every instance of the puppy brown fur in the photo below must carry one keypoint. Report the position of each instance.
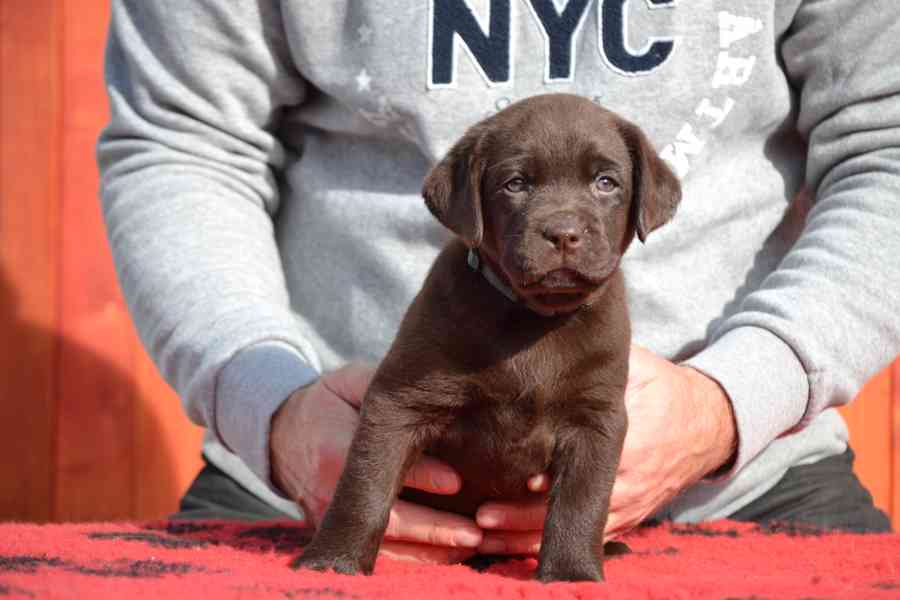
(551, 192)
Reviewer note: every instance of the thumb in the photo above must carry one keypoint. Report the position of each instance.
(640, 365)
(350, 382)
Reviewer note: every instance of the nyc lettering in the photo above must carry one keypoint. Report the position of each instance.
(732, 71)
(489, 39)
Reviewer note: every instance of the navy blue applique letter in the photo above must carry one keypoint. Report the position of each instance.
(614, 42)
(490, 51)
(560, 29)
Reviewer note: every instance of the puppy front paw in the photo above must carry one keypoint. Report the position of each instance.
(587, 570)
(317, 561)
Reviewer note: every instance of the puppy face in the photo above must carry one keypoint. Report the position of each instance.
(552, 190)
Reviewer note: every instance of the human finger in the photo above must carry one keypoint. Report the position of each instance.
(539, 483)
(432, 475)
(616, 525)
(350, 382)
(519, 516)
(411, 522)
(511, 542)
(424, 553)
(641, 367)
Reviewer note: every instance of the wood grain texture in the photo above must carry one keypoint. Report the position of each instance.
(869, 418)
(894, 456)
(29, 223)
(94, 451)
(88, 431)
(125, 446)
(167, 445)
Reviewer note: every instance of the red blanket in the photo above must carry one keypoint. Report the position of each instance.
(723, 560)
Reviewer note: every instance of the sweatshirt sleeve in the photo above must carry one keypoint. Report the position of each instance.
(826, 319)
(189, 165)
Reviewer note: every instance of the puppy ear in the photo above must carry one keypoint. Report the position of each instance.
(656, 189)
(452, 190)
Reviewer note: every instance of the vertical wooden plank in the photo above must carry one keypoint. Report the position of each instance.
(29, 184)
(126, 448)
(167, 446)
(869, 418)
(95, 437)
(894, 457)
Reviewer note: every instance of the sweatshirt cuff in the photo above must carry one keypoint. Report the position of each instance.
(250, 389)
(765, 382)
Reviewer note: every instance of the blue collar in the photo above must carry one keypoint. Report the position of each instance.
(476, 264)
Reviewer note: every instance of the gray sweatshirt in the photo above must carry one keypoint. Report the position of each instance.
(262, 168)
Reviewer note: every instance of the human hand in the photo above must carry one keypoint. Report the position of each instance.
(311, 434)
(680, 429)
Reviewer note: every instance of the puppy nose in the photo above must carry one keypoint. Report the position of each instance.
(565, 232)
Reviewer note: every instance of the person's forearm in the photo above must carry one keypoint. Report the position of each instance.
(824, 321)
(188, 196)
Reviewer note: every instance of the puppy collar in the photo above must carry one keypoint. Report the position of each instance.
(488, 273)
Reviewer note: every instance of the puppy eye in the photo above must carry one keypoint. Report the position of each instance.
(516, 185)
(606, 184)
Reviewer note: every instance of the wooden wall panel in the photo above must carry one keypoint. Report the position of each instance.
(869, 418)
(88, 431)
(895, 450)
(29, 183)
(166, 445)
(96, 401)
(126, 448)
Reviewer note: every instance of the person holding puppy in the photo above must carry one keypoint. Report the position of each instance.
(261, 187)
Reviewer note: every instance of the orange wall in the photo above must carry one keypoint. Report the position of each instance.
(88, 431)
(874, 422)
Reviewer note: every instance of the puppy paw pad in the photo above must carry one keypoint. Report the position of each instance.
(342, 565)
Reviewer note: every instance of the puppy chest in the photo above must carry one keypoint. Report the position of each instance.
(497, 446)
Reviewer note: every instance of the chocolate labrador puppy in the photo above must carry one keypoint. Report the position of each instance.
(513, 358)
